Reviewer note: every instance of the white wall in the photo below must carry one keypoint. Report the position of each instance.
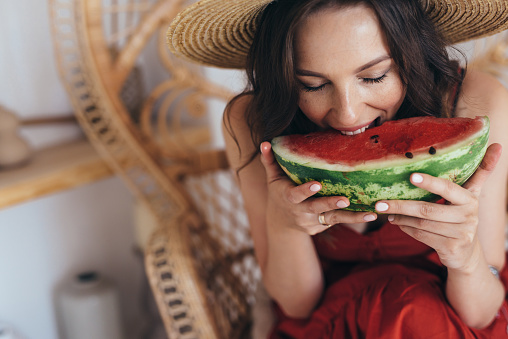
(44, 241)
(235, 80)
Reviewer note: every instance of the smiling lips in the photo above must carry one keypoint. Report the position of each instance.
(358, 130)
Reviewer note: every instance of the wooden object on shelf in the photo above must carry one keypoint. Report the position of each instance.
(48, 120)
(14, 150)
(51, 170)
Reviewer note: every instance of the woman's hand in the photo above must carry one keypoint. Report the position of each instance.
(450, 229)
(294, 205)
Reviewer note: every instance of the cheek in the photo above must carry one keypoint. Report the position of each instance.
(314, 109)
(390, 98)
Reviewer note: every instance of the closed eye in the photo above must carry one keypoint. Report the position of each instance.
(374, 80)
(313, 89)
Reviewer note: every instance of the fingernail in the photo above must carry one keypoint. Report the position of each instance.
(391, 218)
(315, 187)
(341, 204)
(381, 206)
(369, 217)
(417, 178)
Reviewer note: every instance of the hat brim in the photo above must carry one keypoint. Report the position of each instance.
(219, 32)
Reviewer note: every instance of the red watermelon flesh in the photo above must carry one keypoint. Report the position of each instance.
(408, 137)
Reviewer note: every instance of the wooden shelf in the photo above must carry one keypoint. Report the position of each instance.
(52, 170)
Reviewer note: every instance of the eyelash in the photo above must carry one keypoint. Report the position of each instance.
(313, 89)
(366, 80)
(374, 80)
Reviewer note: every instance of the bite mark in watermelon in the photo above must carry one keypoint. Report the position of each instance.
(376, 164)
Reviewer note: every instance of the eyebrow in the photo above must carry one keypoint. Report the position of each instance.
(372, 63)
(369, 64)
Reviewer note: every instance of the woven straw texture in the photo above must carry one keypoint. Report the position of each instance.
(219, 32)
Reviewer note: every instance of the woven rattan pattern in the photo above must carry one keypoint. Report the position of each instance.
(202, 290)
(223, 246)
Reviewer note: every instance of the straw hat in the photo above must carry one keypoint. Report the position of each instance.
(220, 32)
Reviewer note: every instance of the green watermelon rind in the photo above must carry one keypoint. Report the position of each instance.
(364, 188)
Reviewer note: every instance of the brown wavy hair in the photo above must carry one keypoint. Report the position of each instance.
(416, 47)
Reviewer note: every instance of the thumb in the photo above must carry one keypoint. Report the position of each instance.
(487, 166)
(272, 168)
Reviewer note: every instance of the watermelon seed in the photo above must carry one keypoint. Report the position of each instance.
(374, 138)
(432, 150)
(409, 155)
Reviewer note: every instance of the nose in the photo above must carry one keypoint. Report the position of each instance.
(346, 106)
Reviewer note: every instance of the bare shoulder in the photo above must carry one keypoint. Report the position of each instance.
(235, 111)
(236, 131)
(483, 94)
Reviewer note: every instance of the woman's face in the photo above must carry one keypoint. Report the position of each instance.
(348, 80)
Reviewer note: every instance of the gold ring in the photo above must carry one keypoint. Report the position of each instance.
(321, 219)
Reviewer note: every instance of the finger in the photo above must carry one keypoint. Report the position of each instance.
(325, 204)
(295, 194)
(272, 168)
(454, 193)
(423, 210)
(430, 239)
(450, 191)
(349, 217)
(448, 230)
(487, 166)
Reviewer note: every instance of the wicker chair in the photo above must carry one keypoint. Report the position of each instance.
(199, 261)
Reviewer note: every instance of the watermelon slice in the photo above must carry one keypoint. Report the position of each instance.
(376, 164)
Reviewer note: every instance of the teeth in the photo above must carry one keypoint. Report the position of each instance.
(358, 131)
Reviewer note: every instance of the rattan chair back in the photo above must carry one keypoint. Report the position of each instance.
(199, 261)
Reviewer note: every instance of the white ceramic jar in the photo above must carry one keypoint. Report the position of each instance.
(88, 307)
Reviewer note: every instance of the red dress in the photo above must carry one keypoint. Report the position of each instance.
(382, 284)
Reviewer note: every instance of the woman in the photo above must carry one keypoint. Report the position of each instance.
(414, 269)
